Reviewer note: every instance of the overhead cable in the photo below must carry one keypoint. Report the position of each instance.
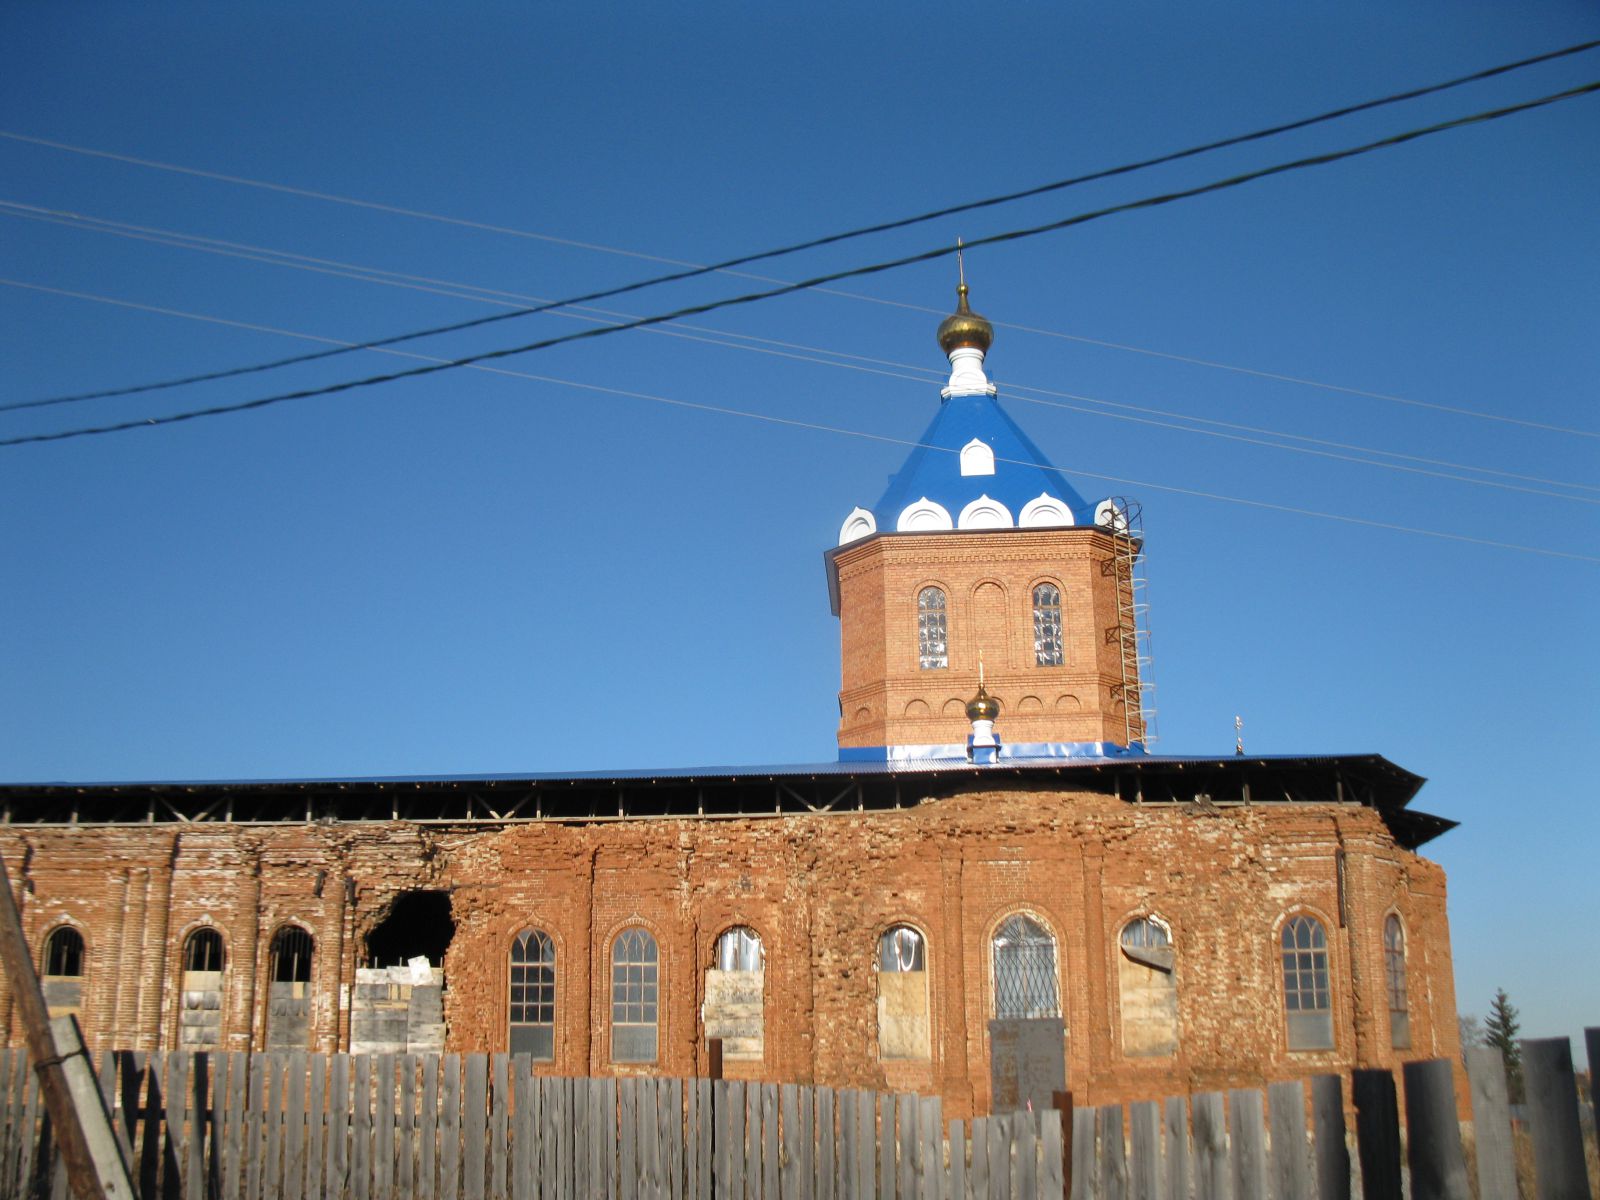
(694, 270)
(788, 289)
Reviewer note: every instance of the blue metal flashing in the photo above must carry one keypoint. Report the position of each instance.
(1012, 753)
(1021, 471)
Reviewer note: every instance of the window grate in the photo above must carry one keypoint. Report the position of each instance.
(1047, 646)
(933, 645)
(1024, 970)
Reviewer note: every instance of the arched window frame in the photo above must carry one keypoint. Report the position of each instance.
(64, 946)
(933, 628)
(531, 994)
(1394, 977)
(635, 996)
(287, 937)
(1306, 972)
(905, 1009)
(204, 950)
(1024, 967)
(1049, 630)
(1145, 942)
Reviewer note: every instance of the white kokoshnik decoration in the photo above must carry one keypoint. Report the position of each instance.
(924, 515)
(985, 513)
(1044, 510)
(859, 524)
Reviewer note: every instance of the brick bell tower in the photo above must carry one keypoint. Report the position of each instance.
(982, 565)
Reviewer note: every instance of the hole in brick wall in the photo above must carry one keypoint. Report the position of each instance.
(418, 924)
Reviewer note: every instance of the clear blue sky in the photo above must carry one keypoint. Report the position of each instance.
(476, 572)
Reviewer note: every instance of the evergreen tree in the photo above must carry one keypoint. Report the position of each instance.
(1500, 1031)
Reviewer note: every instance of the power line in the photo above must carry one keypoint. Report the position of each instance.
(818, 427)
(788, 289)
(478, 293)
(925, 375)
(693, 270)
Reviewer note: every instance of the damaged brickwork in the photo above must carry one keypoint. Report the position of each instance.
(819, 890)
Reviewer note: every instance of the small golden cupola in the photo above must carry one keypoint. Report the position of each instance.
(983, 746)
(965, 328)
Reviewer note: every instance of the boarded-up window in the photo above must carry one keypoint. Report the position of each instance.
(735, 994)
(1307, 1002)
(904, 1030)
(289, 989)
(200, 996)
(533, 995)
(1024, 970)
(63, 972)
(635, 990)
(1148, 989)
(1394, 963)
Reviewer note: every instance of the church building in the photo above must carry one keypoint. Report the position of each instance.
(997, 889)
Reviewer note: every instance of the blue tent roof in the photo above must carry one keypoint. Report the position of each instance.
(1021, 471)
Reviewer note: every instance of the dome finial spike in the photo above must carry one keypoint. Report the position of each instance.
(961, 265)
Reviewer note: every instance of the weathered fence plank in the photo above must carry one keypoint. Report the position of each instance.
(905, 1140)
(1084, 1159)
(405, 1138)
(338, 1182)
(474, 1125)
(699, 1135)
(1113, 1157)
(1213, 1174)
(1175, 1148)
(316, 1110)
(978, 1171)
(1291, 1168)
(1559, 1169)
(450, 1128)
(752, 1141)
(1377, 1134)
(255, 1116)
(1052, 1181)
(1144, 1166)
(499, 1124)
(361, 1129)
(294, 1141)
(886, 1148)
(769, 1141)
(1433, 1133)
(1491, 1123)
(826, 1179)
(1248, 1137)
(1332, 1151)
(1025, 1144)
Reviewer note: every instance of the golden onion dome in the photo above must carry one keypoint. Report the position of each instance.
(965, 327)
(983, 707)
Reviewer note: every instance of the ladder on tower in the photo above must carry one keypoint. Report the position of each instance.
(1124, 519)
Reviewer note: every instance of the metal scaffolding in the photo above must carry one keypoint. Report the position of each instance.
(1125, 520)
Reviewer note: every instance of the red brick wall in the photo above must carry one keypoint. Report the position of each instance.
(988, 578)
(820, 890)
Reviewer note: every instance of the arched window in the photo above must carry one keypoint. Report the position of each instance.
(635, 984)
(62, 983)
(735, 1004)
(1394, 964)
(63, 953)
(533, 995)
(1024, 970)
(200, 996)
(903, 1020)
(204, 952)
(1307, 1002)
(1047, 625)
(933, 639)
(289, 989)
(1147, 989)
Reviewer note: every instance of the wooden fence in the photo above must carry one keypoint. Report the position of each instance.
(477, 1127)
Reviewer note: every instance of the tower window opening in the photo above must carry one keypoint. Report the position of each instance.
(292, 948)
(635, 991)
(933, 647)
(1306, 998)
(1394, 963)
(417, 925)
(63, 953)
(739, 949)
(533, 995)
(1047, 648)
(1024, 970)
(204, 951)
